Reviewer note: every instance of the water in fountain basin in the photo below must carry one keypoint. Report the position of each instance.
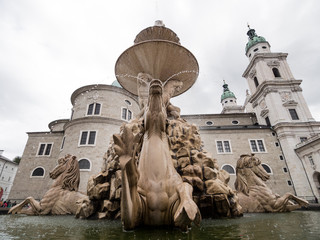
(294, 225)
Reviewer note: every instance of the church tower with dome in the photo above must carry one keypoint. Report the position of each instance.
(277, 100)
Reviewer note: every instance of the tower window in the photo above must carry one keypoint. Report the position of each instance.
(255, 49)
(268, 121)
(235, 122)
(285, 169)
(126, 114)
(44, 149)
(87, 138)
(276, 72)
(94, 109)
(281, 157)
(293, 114)
(289, 183)
(256, 81)
(264, 47)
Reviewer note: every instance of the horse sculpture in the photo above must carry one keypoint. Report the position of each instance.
(62, 196)
(153, 193)
(253, 193)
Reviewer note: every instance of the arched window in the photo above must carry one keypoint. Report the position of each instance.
(267, 168)
(228, 168)
(256, 81)
(276, 72)
(38, 172)
(84, 164)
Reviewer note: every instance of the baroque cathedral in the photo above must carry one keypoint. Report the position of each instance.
(274, 123)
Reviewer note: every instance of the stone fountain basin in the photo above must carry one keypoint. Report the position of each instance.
(294, 225)
(161, 59)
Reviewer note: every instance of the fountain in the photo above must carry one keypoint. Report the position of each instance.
(156, 171)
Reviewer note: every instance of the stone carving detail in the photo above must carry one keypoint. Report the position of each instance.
(263, 104)
(63, 195)
(252, 73)
(273, 63)
(285, 96)
(264, 112)
(296, 89)
(253, 193)
(190, 178)
(268, 90)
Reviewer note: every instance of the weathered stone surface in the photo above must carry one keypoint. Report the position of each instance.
(62, 197)
(253, 193)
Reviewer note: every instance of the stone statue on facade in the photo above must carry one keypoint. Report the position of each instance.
(63, 195)
(254, 195)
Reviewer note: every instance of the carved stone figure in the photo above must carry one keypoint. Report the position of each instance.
(253, 193)
(63, 195)
(196, 167)
(153, 193)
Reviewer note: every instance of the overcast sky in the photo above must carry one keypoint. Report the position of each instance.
(48, 49)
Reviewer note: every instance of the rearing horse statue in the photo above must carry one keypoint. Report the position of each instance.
(254, 195)
(153, 193)
(63, 195)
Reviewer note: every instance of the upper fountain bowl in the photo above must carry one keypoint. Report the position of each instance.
(157, 51)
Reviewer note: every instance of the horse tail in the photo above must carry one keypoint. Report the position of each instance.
(71, 178)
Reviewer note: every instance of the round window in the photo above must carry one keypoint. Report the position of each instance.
(128, 102)
(209, 123)
(235, 122)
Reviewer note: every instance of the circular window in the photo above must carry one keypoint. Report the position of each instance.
(128, 102)
(235, 122)
(264, 47)
(266, 167)
(250, 55)
(256, 50)
(209, 123)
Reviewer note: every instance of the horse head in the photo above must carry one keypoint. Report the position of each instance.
(249, 170)
(67, 173)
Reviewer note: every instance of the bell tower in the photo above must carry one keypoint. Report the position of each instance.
(276, 98)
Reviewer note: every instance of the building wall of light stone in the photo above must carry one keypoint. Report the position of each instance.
(239, 136)
(68, 132)
(309, 155)
(8, 170)
(24, 184)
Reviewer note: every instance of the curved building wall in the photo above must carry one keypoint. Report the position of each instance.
(103, 124)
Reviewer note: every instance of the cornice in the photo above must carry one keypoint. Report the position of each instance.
(93, 119)
(260, 56)
(273, 86)
(98, 87)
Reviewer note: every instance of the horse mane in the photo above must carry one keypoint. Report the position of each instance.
(71, 178)
(241, 184)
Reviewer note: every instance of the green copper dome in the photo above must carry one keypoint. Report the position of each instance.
(116, 84)
(226, 93)
(254, 39)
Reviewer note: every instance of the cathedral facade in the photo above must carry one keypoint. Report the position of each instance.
(274, 123)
